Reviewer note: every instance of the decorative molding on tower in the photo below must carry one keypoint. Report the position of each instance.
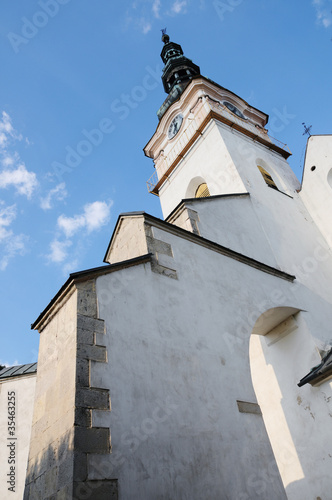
(200, 103)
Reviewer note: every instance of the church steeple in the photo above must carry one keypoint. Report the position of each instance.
(178, 68)
(177, 73)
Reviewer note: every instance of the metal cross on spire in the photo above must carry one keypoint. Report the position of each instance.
(306, 129)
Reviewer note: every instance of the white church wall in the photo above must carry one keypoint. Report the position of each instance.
(184, 364)
(303, 252)
(297, 418)
(50, 466)
(297, 244)
(16, 393)
(247, 154)
(316, 190)
(233, 156)
(207, 159)
(232, 222)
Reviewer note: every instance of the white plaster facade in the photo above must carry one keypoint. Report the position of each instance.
(22, 389)
(180, 358)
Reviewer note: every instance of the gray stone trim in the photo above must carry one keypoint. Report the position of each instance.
(158, 247)
(87, 438)
(246, 407)
(186, 218)
(96, 490)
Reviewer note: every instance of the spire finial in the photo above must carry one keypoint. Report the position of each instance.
(165, 37)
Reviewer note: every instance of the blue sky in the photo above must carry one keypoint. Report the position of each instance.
(80, 88)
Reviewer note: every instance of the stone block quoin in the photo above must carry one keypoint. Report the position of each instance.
(89, 439)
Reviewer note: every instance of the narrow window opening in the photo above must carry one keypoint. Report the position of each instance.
(267, 178)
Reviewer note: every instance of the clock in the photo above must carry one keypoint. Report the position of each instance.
(175, 126)
(234, 109)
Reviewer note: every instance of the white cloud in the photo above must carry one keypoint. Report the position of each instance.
(6, 364)
(24, 181)
(95, 216)
(14, 171)
(9, 160)
(70, 225)
(142, 14)
(59, 250)
(58, 193)
(323, 13)
(145, 26)
(6, 129)
(14, 245)
(70, 267)
(7, 216)
(179, 6)
(11, 244)
(156, 8)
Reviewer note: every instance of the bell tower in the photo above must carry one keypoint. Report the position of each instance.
(177, 73)
(210, 141)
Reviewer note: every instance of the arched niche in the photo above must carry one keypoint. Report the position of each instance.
(329, 178)
(193, 185)
(273, 317)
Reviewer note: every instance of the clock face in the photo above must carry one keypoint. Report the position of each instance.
(175, 126)
(234, 109)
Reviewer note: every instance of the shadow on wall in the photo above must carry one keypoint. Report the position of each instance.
(61, 471)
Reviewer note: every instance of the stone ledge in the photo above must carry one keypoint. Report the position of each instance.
(101, 490)
(246, 407)
(92, 352)
(101, 418)
(93, 398)
(80, 472)
(82, 373)
(159, 246)
(91, 324)
(83, 417)
(100, 339)
(86, 299)
(93, 440)
(85, 336)
(165, 271)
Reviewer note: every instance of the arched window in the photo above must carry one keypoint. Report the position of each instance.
(267, 178)
(202, 191)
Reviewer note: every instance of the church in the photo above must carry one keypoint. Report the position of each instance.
(196, 363)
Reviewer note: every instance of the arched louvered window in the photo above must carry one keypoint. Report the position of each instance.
(202, 191)
(267, 178)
